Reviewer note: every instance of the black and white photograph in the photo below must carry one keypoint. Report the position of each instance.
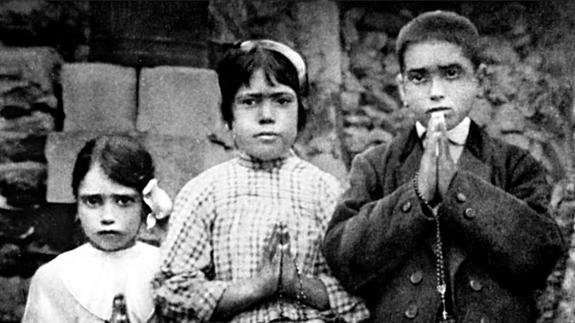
(261, 161)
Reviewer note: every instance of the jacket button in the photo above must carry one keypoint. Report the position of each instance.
(461, 197)
(416, 277)
(406, 207)
(469, 213)
(435, 250)
(411, 311)
(475, 285)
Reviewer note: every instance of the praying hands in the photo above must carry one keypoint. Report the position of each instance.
(437, 168)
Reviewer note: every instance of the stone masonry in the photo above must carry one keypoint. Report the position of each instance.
(52, 100)
(28, 110)
(99, 97)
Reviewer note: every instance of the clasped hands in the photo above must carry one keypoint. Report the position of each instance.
(437, 168)
(278, 270)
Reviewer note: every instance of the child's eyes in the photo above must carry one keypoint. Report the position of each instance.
(252, 102)
(92, 201)
(125, 201)
(246, 102)
(95, 201)
(417, 78)
(284, 100)
(452, 73)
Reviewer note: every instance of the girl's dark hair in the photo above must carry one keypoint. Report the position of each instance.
(237, 67)
(122, 158)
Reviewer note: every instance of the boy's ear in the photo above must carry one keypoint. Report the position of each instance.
(229, 125)
(481, 75)
(400, 86)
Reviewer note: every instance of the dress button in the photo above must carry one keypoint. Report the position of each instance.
(461, 197)
(469, 213)
(475, 285)
(411, 311)
(416, 277)
(406, 207)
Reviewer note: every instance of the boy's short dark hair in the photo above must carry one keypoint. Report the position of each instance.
(237, 68)
(443, 26)
(122, 158)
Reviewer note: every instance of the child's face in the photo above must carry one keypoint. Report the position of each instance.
(110, 213)
(438, 77)
(265, 118)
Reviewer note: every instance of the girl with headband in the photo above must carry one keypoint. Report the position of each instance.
(244, 239)
(116, 192)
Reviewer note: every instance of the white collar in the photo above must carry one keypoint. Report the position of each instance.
(457, 135)
(94, 277)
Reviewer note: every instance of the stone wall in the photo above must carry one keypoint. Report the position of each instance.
(52, 100)
(30, 104)
(35, 37)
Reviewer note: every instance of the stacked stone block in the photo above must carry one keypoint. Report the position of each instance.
(28, 106)
(172, 111)
(99, 97)
(179, 101)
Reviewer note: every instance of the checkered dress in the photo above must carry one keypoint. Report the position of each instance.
(222, 220)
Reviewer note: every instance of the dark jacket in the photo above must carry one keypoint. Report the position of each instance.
(500, 243)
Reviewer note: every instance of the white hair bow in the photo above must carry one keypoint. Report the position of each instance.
(159, 202)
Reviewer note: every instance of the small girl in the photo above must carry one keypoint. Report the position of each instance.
(113, 182)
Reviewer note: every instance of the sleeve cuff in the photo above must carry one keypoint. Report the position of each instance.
(342, 304)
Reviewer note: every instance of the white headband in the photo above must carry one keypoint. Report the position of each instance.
(293, 56)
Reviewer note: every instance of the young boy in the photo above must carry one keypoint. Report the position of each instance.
(445, 224)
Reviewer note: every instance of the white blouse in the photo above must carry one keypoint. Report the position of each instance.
(80, 285)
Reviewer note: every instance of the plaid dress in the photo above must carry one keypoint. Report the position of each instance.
(222, 220)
